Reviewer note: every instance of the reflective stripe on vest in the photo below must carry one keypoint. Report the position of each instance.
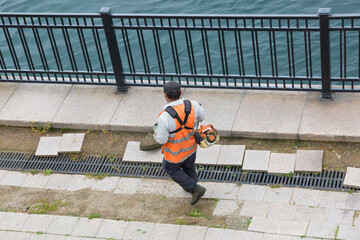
(183, 144)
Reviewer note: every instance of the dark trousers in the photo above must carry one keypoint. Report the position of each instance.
(183, 173)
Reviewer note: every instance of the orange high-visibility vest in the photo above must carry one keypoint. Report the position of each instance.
(183, 144)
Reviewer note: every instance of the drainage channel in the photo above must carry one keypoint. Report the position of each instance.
(327, 180)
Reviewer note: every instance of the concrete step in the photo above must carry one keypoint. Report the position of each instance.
(239, 113)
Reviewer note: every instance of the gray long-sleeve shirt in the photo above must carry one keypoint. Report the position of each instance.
(167, 124)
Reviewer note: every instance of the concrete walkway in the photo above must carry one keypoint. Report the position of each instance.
(276, 213)
(244, 113)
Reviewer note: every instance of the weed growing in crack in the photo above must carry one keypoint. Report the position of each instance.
(93, 215)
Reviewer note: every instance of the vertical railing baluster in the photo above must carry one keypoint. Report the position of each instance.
(113, 49)
(323, 14)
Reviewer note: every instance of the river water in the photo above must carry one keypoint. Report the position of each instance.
(194, 7)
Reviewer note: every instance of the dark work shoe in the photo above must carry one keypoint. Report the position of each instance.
(197, 194)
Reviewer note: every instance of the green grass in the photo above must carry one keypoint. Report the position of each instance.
(44, 206)
(180, 221)
(96, 176)
(93, 215)
(47, 172)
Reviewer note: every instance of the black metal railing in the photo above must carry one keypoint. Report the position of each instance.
(315, 52)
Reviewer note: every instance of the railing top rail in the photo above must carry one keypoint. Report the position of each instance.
(216, 16)
(66, 15)
(345, 16)
(192, 16)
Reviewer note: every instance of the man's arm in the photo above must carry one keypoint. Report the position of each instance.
(199, 111)
(161, 135)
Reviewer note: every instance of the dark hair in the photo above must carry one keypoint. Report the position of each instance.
(173, 95)
(172, 90)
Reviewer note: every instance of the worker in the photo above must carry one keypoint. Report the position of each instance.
(175, 131)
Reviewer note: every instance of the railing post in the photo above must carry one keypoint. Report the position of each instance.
(113, 49)
(323, 14)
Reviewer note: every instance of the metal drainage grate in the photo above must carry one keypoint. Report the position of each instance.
(332, 180)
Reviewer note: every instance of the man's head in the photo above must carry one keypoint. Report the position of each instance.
(172, 91)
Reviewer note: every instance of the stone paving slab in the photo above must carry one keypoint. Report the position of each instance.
(250, 192)
(259, 224)
(225, 207)
(268, 236)
(282, 211)
(112, 229)
(225, 191)
(138, 231)
(278, 195)
(333, 199)
(17, 236)
(13, 221)
(2, 215)
(223, 115)
(127, 186)
(348, 232)
(256, 160)
(35, 181)
(37, 223)
(106, 184)
(245, 235)
(87, 227)
(173, 189)
(2, 174)
(62, 225)
(352, 201)
(232, 155)
(330, 120)
(321, 230)
(84, 108)
(48, 146)
(338, 216)
(140, 117)
(263, 114)
(13, 178)
(306, 197)
(164, 232)
(33, 102)
(309, 161)
(6, 90)
(209, 188)
(207, 155)
(134, 154)
(2, 234)
(254, 209)
(196, 232)
(307, 213)
(80, 182)
(59, 181)
(281, 163)
(152, 186)
(352, 177)
(71, 142)
(293, 228)
(219, 234)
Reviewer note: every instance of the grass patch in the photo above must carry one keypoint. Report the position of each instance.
(47, 172)
(93, 215)
(41, 129)
(44, 206)
(196, 213)
(180, 221)
(96, 176)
